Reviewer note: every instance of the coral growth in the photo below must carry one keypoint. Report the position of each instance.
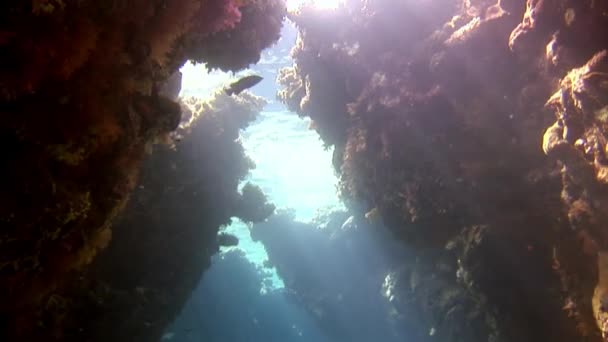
(356, 259)
(81, 100)
(235, 49)
(437, 112)
(166, 236)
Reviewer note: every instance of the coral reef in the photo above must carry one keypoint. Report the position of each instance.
(232, 283)
(475, 130)
(230, 50)
(83, 95)
(345, 296)
(438, 111)
(168, 232)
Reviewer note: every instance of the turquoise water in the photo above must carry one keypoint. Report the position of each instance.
(295, 172)
(292, 166)
(293, 169)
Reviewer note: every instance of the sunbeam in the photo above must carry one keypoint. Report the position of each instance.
(293, 5)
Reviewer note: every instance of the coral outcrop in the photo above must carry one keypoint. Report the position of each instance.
(82, 97)
(165, 238)
(438, 110)
(232, 283)
(346, 296)
(476, 130)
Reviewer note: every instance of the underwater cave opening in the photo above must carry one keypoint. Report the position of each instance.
(307, 273)
(292, 167)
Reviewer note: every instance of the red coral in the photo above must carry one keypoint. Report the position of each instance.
(245, 32)
(229, 18)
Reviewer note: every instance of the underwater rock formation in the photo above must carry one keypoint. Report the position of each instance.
(244, 309)
(441, 115)
(474, 129)
(345, 296)
(166, 236)
(82, 97)
(259, 27)
(164, 240)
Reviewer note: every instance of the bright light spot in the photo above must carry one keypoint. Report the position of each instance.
(197, 81)
(292, 167)
(293, 5)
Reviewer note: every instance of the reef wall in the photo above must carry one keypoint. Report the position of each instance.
(83, 95)
(350, 297)
(476, 131)
(164, 239)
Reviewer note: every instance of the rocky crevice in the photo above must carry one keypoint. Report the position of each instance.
(81, 101)
(438, 123)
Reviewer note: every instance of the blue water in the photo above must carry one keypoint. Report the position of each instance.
(294, 171)
(240, 298)
(227, 307)
(292, 168)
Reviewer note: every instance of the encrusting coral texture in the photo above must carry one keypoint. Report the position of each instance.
(81, 101)
(167, 233)
(475, 130)
(437, 114)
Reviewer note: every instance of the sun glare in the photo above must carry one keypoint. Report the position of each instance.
(293, 5)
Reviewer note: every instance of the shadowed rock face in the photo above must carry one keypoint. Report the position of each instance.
(83, 94)
(443, 114)
(350, 296)
(168, 232)
(476, 130)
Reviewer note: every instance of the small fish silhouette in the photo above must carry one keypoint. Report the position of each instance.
(242, 84)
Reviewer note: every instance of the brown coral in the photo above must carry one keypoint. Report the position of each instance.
(440, 138)
(80, 104)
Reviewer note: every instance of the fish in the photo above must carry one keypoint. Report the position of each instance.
(373, 215)
(243, 84)
(349, 223)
